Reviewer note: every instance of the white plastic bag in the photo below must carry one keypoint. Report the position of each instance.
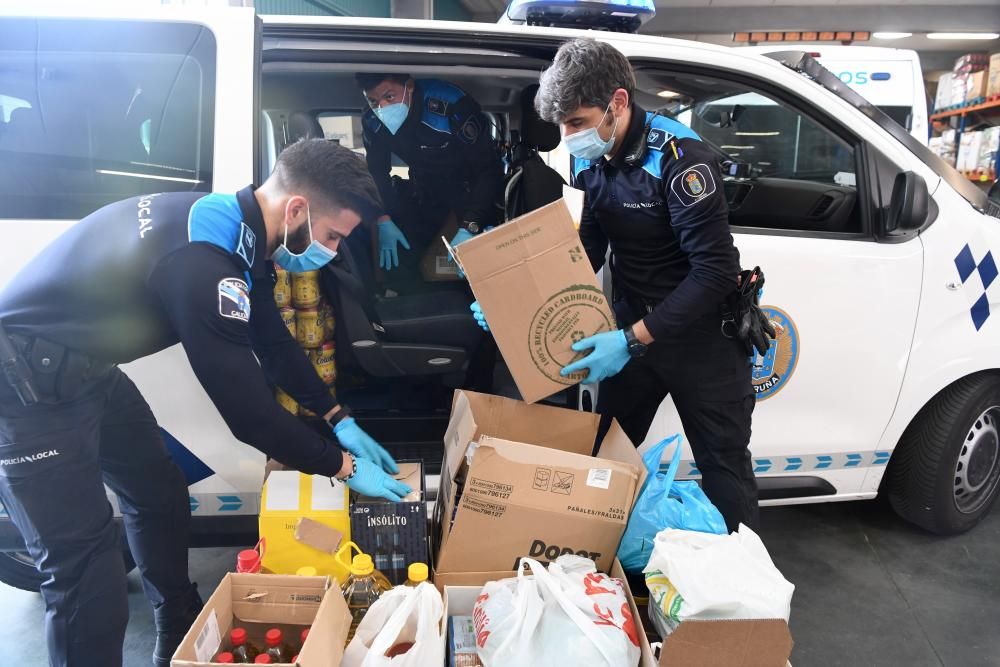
(568, 615)
(403, 614)
(716, 577)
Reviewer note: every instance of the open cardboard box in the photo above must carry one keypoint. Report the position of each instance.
(271, 599)
(459, 600)
(541, 499)
(539, 293)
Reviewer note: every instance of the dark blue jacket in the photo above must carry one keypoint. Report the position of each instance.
(447, 144)
(661, 206)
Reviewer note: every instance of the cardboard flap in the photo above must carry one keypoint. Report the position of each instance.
(462, 429)
(616, 446)
(729, 643)
(509, 246)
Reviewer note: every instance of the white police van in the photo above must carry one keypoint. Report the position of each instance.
(878, 255)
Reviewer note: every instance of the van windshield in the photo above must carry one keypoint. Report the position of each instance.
(802, 62)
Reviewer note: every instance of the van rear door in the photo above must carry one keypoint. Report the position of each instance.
(102, 105)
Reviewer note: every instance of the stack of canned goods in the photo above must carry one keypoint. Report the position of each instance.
(309, 319)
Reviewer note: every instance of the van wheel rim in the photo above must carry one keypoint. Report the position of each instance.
(977, 470)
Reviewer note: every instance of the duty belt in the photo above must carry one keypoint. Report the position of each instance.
(53, 371)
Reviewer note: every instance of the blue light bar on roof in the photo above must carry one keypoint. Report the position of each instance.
(619, 15)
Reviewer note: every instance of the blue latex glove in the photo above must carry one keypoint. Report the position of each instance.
(477, 313)
(609, 356)
(362, 445)
(370, 480)
(389, 235)
(462, 236)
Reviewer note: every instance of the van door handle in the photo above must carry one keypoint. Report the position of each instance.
(953, 286)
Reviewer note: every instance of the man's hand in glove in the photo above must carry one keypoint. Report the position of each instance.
(389, 236)
(753, 327)
(609, 356)
(369, 480)
(362, 445)
(477, 314)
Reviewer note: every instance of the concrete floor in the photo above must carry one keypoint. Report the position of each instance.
(870, 590)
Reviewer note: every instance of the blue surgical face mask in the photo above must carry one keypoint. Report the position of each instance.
(394, 115)
(587, 144)
(315, 256)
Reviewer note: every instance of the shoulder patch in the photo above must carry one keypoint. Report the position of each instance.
(658, 138)
(438, 106)
(693, 185)
(471, 129)
(234, 299)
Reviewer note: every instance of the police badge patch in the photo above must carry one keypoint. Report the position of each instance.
(247, 245)
(693, 185)
(234, 299)
(469, 132)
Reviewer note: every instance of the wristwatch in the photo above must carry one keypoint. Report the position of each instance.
(340, 415)
(472, 227)
(636, 349)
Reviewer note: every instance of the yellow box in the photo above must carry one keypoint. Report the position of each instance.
(289, 497)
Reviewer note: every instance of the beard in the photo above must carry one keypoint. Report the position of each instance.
(299, 240)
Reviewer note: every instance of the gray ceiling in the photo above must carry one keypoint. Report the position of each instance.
(715, 21)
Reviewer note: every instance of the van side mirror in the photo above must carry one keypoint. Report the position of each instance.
(909, 204)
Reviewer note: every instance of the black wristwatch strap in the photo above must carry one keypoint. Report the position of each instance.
(340, 415)
(354, 471)
(630, 336)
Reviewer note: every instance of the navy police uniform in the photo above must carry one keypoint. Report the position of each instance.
(661, 207)
(132, 279)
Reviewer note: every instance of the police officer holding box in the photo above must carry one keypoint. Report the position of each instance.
(441, 133)
(654, 194)
(132, 279)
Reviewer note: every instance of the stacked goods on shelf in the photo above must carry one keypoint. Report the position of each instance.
(969, 78)
(310, 320)
(943, 98)
(945, 146)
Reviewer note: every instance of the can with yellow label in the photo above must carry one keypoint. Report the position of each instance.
(308, 331)
(288, 317)
(282, 288)
(305, 289)
(286, 401)
(324, 362)
(326, 320)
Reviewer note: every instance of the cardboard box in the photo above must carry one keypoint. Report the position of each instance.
(989, 148)
(395, 534)
(993, 78)
(303, 519)
(269, 600)
(958, 87)
(943, 97)
(540, 499)
(976, 85)
(460, 601)
(436, 264)
(539, 293)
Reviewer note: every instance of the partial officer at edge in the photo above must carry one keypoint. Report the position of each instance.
(130, 280)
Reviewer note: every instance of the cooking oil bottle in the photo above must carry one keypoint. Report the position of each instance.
(363, 586)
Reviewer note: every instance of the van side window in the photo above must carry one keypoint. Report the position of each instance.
(782, 169)
(96, 111)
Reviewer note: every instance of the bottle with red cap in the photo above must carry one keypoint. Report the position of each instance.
(276, 646)
(226, 658)
(243, 651)
(302, 637)
(249, 560)
(263, 659)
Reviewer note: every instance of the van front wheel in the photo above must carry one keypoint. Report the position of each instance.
(945, 472)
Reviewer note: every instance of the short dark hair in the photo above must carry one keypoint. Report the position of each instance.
(584, 73)
(366, 81)
(330, 174)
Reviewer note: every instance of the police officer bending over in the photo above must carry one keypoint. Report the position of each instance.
(654, 193)
(443, 136)
(132, 279)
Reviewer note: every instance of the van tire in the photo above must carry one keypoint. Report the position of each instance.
(945, 472)
(18, 571)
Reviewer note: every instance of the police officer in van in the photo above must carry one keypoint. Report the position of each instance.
(443, 136)
(130, 280)
(653, 193)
